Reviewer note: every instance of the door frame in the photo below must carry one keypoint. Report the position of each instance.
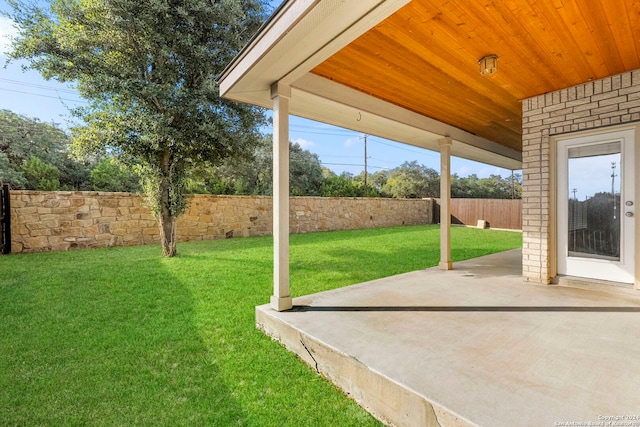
(552, 249)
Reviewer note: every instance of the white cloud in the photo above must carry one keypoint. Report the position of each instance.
(464, 171)
(494, 170)
(482, 171)
(7, 31)
(351, 142)
(303, 143)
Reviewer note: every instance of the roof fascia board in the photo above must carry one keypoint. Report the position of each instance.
(276, 27)
(335, 92)
(299, 36)
(371, 18)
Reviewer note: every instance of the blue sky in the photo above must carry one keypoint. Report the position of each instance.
(27, 93)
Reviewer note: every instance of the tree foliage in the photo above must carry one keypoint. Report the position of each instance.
(375, 182)
(493, 187)
(254, 175)
(22, 138)
(148, 69)
(111, 175)
(342, 185)
(412, 180)
(9, 174)
(249, 175)
(41, 175)
(32, 152)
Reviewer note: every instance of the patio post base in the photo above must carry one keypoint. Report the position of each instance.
(445, 265)
(281, 303)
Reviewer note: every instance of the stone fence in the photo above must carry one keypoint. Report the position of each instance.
(59, 221)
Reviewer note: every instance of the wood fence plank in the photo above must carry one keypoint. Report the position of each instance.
(499, 213)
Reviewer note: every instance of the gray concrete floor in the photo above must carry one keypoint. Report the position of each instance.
(472, 346)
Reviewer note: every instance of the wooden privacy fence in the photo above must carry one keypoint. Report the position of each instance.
(499, 213)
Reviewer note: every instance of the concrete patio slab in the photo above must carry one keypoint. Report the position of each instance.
(473, 346)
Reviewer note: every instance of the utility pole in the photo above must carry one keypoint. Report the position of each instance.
(365, 164)
(513, 184)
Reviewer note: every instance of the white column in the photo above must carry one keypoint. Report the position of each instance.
(445, 204)
(281, 298)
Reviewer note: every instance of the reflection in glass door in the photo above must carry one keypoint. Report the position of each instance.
(594, 201)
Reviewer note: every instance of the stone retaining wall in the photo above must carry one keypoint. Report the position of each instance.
(59, 221)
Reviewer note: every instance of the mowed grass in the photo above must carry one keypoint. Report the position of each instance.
(121, 336)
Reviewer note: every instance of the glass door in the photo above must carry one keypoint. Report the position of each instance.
(596, 207)
(594, 212)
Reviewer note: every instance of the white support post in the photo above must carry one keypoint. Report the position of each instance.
(445, 204)
(281, 298)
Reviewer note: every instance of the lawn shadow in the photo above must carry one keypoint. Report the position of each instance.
(109, 343)
(195, 248)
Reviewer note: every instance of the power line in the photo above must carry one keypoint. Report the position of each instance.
(400, 146)
(354, 164)
(321, 133)
(38, 86)
(45, 96)
(324, 128)
(345, 157)
(342, 164)
(383, 161)
(347, 132)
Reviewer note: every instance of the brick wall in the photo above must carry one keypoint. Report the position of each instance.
(606, 102)
(58, 221)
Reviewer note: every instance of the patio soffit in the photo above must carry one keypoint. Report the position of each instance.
(408, 70)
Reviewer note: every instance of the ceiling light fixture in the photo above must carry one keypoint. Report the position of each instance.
(488, 64)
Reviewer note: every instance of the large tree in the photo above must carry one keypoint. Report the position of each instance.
(255, 175)
(493, 187)
(148, 69)
(341, 185)
(111, 175)
(412, 180)
(36, 155)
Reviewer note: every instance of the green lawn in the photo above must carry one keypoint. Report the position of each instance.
(122, 336)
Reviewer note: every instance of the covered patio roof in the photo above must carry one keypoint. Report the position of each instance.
(407, 70)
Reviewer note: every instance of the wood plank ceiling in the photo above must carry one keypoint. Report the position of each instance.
(425, 57)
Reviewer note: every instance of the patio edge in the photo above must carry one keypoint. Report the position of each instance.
(388, 401)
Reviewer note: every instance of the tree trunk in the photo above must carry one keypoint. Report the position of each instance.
(167, 233)
(167, 221)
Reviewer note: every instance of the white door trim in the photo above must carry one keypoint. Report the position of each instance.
(625, 269)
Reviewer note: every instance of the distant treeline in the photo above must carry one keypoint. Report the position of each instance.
(38, 156)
